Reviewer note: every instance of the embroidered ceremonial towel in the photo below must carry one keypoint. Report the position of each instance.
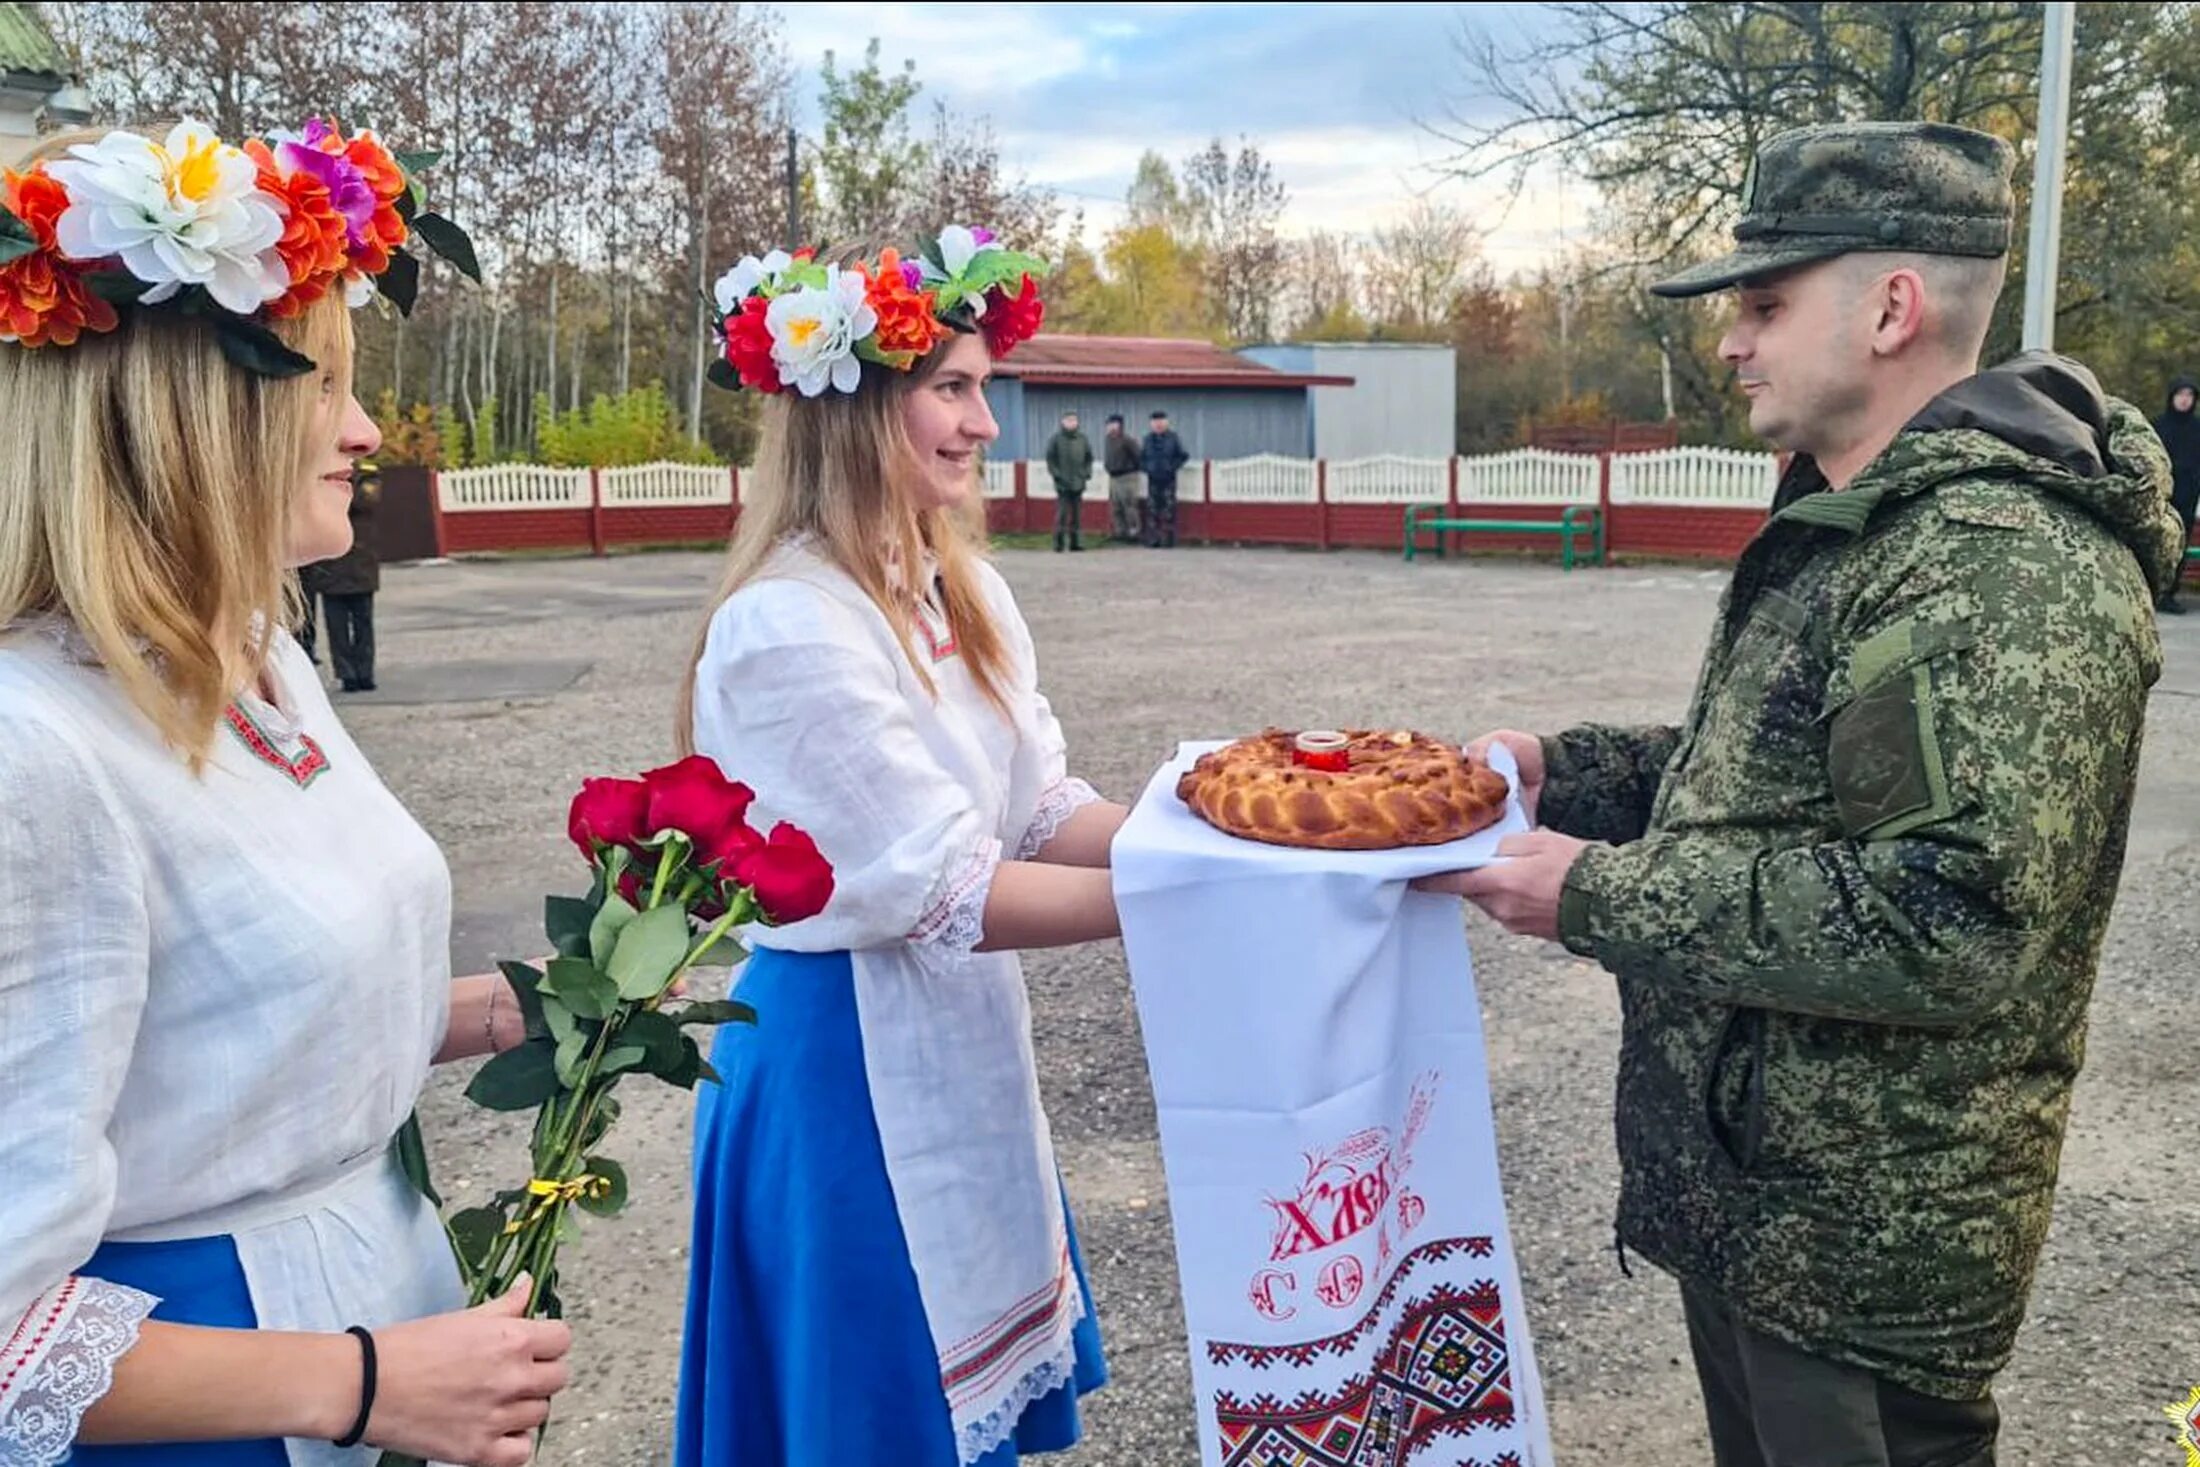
(1316, 1048)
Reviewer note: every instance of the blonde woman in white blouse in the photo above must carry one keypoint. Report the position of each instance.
(223, 948)
(884, 1273)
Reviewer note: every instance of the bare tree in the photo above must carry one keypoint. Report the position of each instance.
(1234, 205)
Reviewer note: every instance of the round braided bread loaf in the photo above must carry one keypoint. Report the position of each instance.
(1401, 789)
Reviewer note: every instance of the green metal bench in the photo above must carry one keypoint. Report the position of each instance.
(1574, 520)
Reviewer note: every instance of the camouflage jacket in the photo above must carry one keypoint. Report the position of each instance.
(1857, 899)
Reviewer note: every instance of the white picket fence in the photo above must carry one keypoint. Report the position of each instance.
(1685, 477)
(1265, 478)
(667, 484)
(1716, 478)
(1389, 480)
(1528, 476)
(514, 486)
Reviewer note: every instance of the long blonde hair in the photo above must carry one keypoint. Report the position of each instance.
(145, 494)
(839, 469)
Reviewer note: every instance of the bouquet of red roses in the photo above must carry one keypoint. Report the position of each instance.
(677, 868)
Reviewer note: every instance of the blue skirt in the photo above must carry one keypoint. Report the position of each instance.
(807, 1343)
(198, 1281)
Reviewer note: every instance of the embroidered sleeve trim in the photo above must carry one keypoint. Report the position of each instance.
(58, 1361)
(1062, 799)
(954, 923)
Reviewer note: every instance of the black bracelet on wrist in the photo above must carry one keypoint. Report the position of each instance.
(358, 1431)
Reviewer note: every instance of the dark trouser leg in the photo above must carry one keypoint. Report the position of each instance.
(1160, 514)
(1771, 1404)
(1076, 513)
(1065, 510)
(309, 631)
(351, 639)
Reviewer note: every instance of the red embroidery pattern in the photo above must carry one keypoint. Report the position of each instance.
(303, 770)
(978, 1363)
(940, 649)
(31, 1332)
(1260, 1357)
(1444, 1371)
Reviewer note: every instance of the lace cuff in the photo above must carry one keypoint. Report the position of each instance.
(1061, 799)
(955, 922)
(58, 1361)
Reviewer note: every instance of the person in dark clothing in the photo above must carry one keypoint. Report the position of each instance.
(2179, 430)
(1069, 463)
(346, 586)
(1161, 457)
(1124, 487)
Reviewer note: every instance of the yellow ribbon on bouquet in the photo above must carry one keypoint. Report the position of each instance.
(548, 1194)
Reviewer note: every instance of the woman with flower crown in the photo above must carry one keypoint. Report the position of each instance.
(884, 1270)
(223, 944)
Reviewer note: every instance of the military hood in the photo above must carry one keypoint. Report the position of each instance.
(2042, 420)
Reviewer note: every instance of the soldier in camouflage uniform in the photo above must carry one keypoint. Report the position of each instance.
(1855, 901)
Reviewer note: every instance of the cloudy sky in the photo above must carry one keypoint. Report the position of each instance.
(1337, 96)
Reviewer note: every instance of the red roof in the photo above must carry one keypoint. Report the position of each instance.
(1050, 360)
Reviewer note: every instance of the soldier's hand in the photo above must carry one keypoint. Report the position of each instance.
(1527, 752)
(1520, 892)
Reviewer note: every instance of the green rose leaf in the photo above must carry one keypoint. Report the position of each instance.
(603, 933)
(649, 952)
(613, 1202)
(600, 1121)
(518, 1079)
(559, 1020)
(566, 920)
(622, 1057)
(566, 1060)
(715, 1011)
(581, 987)
(474, 1235)
(525, 981)
(658, 1037)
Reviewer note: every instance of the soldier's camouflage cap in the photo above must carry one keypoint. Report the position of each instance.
(1817, 192)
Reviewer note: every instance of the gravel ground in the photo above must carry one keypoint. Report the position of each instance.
(484, 729)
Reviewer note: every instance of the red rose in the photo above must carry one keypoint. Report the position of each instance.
(727, 848)
(1011, 319)
(630, 887)
(611, 812)
(790, 879)
(696, 799)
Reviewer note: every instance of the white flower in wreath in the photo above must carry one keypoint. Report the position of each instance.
(739, 283)
(186, 211)
(815, 330)
(958, 246)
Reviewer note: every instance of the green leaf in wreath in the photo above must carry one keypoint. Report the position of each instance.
(581, 987)
(518, 1079)
(16, 239)
(525, 981)
(117, 287)
(565, 921)
(603, 933)
(449, 241)
(256, 349)
(415, 162)
(400, 282)
(613, 1200)
(721, 373)
(649, 952)
(474, 1235)
(715, 1011)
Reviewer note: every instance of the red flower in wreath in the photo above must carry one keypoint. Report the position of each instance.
(1011, 320)
(43, 297)
(749, 346)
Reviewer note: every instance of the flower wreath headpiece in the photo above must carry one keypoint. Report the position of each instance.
(788, 321)
(235, 234)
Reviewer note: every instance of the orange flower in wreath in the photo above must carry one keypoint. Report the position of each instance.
(43, 297)
(386, 232)
(314, 233)
(906, 322)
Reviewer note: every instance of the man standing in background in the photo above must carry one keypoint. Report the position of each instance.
(1124, 488)
(1161, 457)
(2179, 431)
(1069, 461)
